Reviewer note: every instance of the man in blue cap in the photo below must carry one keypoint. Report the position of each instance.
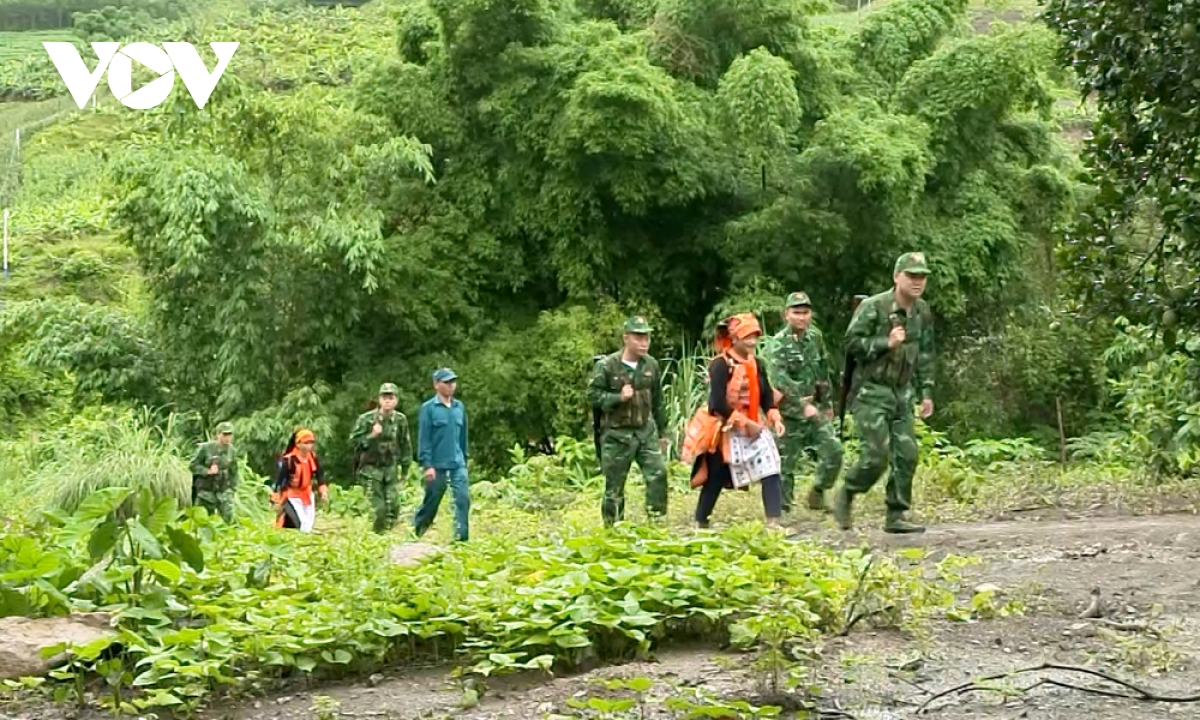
(442, 453)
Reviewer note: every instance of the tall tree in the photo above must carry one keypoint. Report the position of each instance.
(1140, 61)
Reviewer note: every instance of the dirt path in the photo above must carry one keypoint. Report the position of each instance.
(1145, 568)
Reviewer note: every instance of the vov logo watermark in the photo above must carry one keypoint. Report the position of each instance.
(171, 57)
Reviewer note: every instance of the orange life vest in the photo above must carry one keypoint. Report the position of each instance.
(299, 484)
(707, 432)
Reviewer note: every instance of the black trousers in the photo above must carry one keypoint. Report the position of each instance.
(290, 519)
(719, 475)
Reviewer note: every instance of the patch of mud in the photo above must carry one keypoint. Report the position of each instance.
(1145, 632)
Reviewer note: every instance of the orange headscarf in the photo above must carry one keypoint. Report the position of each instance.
(740, 326)
(305, 435)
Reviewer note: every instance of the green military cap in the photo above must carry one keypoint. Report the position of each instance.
(912, 262)
(225, 427)
(444, 375)
(637, 324)
(798, 299)
(388, 389)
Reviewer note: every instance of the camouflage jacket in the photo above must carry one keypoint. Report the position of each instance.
(604, 392)
(393, 445)
(910, 364)
(227, 467)
(797, 363)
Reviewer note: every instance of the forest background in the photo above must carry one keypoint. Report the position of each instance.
(373, 192)
(376, 191)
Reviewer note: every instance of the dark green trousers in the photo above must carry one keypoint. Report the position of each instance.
(619, 449)
(883, 417)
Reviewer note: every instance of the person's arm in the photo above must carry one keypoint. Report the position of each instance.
(199, 465)
(824, 370)
(462, 433)
(773, 359)
(767, 402)
(406, 448)
(718, 381)
(360, 436)
(424, 438)
(282, 474)
(766, 393)
(925, 353)
(598, 392)
(660, 413)
(862, 338)
(319, 476)
(233, 471)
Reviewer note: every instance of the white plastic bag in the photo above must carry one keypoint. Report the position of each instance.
(752, 460)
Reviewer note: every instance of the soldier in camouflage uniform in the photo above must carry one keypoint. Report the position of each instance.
(626, 387)
(799, 367)
(215, 474)
(381, 441)
(891, 339)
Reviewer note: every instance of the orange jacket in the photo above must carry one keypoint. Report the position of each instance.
(710, 427)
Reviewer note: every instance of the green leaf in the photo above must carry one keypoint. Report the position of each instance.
(103, 538)
(102, 503)
(306, 664)
(187, 547)
(143, 539)
(165, 569)
(573, 640)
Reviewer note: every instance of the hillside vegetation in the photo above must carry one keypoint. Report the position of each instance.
(631, 163)
(374, 192)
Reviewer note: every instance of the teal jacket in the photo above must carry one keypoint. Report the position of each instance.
(442, 435)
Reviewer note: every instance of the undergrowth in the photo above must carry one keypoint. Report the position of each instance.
(203, 608)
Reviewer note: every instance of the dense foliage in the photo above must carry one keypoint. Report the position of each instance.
(374, 192)
(202, 608)
(504, 188)
(1141, 63)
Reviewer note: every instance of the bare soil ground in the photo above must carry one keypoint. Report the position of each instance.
(1146, 569)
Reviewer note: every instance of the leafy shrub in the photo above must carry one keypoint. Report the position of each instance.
(267, 605)
(1154, 388)
(123, 451)
(107, 350)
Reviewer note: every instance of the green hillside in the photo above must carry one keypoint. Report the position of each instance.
(375, 192)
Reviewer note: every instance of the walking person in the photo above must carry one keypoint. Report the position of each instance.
(891, 340)
(626, 388)
(298, 470)
(442, 453)
(381, 444)
(799, 365)
(215, 474)
(725, 437)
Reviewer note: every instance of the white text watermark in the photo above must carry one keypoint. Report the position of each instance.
(171, 57)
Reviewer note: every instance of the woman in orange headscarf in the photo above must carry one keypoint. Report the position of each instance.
(293, 488)
(741, 402)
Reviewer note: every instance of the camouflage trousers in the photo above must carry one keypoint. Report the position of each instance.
(618, 449)
(217, 502)
(384, 488)
(804, 435)
(883, 417)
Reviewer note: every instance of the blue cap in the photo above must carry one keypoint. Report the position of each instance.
(443, 375)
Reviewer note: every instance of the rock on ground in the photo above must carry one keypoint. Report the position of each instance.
(410, 554)
(22, 639)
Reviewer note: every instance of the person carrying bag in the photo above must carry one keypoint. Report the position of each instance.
(729, 440)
